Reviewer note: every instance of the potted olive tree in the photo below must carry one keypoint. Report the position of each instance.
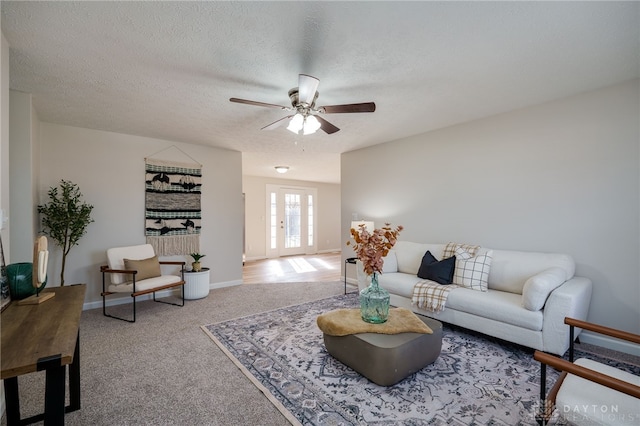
(65, 218)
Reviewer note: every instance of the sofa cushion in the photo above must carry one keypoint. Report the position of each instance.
(147, 268)
(399, 283)
(537, 288)
(390, 263)
(510, 269)
(440, 271)
(409, 255)
(473, 273)
(496, 305)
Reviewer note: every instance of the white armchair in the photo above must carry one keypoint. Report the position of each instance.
(137, 271)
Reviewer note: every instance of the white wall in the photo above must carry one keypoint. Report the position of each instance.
(254, 188)
(109, 169)
(4, 143)
(559, 177)
(4, 159)
(23, 175)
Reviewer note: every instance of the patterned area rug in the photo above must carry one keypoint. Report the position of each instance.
(476, 380)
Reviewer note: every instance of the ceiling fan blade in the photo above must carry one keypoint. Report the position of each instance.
(276, 123)
(307, 87)
(326, 126)
(336, 109)
(244, 101)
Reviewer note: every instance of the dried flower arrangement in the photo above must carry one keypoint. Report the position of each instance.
(372, 247)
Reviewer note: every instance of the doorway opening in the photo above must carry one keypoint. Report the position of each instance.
(291, 223)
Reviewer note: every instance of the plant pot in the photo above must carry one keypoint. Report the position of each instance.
(196, 284)
(196, 266)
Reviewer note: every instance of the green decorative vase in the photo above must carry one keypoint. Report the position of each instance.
(374, 302)
(20, 276)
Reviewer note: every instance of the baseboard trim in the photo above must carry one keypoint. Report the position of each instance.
(609, 343)
(164, 293)
(225, 284)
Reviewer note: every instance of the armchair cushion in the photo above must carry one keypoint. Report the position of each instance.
(116, 256)
(582, 401)
(144, 285)
(147, 268)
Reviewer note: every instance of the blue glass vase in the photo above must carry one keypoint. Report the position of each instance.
(374, 302)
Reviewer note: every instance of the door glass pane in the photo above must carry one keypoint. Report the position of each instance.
(310, 220)
(292, 220)
(273, 223)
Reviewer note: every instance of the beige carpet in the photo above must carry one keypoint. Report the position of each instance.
(163, 370)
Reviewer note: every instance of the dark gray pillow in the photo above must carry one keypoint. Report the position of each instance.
(435, 270)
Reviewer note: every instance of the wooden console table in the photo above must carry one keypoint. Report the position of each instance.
(43, 337)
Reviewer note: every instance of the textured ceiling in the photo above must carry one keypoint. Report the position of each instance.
(167, 69)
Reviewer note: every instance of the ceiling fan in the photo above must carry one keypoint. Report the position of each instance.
(306, 116)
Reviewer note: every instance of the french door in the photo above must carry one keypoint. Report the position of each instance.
(291, 224)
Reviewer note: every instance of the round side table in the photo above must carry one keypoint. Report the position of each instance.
(196, 284)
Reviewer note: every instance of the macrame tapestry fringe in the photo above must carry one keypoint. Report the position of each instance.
(175, 245)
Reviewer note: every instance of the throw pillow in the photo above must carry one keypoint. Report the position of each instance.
(474, 273)
(462, 254)
(390, 262)
(537, 288)
(147, 268)
(438, 271)
(450, 249)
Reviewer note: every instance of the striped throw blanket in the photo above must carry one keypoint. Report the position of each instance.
(430, 295)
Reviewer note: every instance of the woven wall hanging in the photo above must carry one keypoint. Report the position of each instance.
(172, 206)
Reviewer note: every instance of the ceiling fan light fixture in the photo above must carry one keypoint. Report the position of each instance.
(311, 124)
(282, 169)
(303, 108)
(296, 124)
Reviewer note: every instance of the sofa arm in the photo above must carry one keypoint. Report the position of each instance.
(572, 300)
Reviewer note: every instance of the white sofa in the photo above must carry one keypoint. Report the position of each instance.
(544, 282)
